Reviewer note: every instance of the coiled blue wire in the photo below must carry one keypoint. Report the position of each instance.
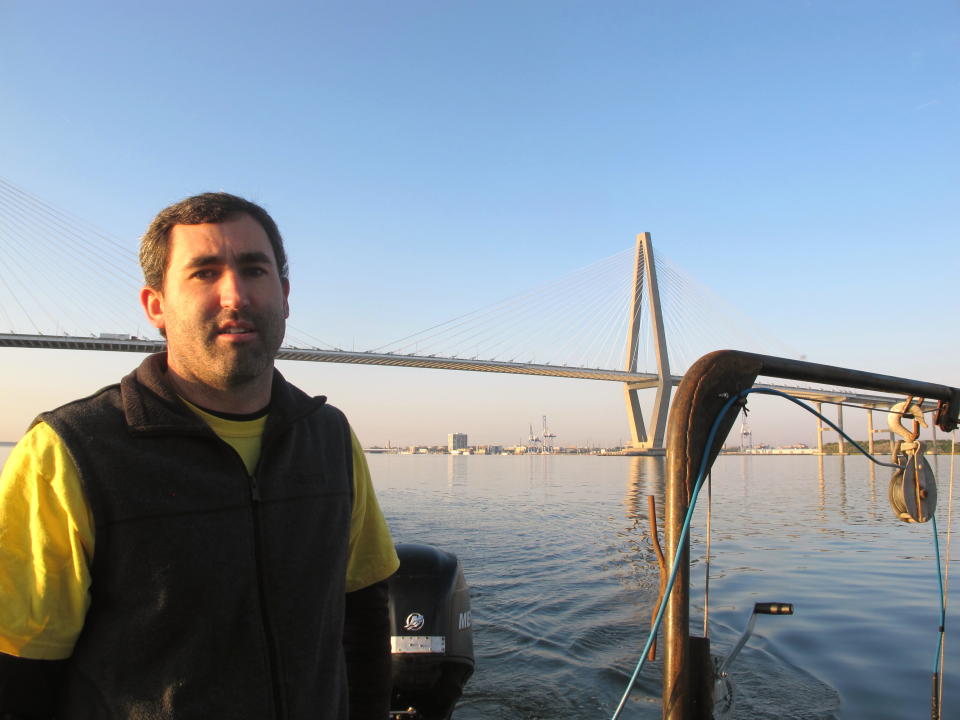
(684, 531)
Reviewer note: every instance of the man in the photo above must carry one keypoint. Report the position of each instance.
(201, 540)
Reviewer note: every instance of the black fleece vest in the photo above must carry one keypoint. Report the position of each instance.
(214, 594)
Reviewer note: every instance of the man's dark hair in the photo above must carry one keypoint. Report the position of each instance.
(206, 208)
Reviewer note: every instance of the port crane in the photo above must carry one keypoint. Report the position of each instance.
(544, 441)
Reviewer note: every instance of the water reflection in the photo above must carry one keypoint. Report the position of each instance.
(744, 474)
(843, 488)
(842, 503)
(540, 469)
(457, 466)
(564, 578)
(875, 513)
(821, 486)
(646, 476)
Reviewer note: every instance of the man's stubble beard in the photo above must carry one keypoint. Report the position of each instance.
(228, 367)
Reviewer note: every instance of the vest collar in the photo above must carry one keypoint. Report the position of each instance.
(151, 405)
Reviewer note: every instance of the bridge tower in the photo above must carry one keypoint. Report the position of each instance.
(645, 275)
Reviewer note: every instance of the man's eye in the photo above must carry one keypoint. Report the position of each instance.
(204, 274)
(255, 271)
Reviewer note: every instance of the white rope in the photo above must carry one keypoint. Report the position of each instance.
(946, 574)
(706, 579)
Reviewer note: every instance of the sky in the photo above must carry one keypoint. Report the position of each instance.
(424, 159)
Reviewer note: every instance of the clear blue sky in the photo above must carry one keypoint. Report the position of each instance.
(427, 158)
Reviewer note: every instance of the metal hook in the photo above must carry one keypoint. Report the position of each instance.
(909, 445)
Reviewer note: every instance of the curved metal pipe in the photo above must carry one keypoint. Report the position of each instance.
(706, 386)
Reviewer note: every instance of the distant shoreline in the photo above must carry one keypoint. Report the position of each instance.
(8, 443)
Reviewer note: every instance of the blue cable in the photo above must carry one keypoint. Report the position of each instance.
(943, 609)
(676, 561)
(684, 531)
(778, 393)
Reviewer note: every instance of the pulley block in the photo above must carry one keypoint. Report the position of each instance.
(913, 490)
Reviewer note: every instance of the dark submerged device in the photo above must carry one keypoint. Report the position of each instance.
(431, 633)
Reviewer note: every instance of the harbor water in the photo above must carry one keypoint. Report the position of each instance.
(557, 551)
(563, 580)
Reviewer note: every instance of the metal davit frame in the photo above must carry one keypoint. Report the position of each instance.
(705, 388)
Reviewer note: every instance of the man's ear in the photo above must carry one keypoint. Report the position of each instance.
(152, 301)
(285, 282)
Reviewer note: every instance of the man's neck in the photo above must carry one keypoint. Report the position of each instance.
(242, 400)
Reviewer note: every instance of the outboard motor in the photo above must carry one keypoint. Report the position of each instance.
(432, 636)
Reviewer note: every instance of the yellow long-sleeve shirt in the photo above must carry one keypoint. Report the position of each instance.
(47, 538)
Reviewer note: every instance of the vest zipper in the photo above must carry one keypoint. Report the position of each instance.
(272, 653)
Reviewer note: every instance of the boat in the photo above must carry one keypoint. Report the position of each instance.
(433, 649)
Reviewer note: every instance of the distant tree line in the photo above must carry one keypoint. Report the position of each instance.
(882, 447)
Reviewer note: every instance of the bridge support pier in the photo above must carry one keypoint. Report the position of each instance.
(841, 448)
(819, 429)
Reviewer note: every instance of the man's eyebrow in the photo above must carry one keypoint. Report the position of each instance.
(247, 258)
(251, 258)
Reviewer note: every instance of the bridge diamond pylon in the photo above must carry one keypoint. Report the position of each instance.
(645, 277)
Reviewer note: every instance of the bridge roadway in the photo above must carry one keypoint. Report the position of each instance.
(633, 380)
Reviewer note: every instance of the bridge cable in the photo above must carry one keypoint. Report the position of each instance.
(29, 254)
(46, 235)
(530, 315)
(487, 310)
(536, 329)
(577, 320)
(30, 218)
(64, 224)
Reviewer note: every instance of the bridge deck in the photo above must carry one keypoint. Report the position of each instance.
(635, 380)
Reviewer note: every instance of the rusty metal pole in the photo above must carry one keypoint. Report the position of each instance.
(706, 387)
(676, 620)
(713, 380)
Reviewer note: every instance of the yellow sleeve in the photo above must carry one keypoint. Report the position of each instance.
(46, 546)
(372, 555)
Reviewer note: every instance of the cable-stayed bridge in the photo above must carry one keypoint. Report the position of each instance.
(632, 318)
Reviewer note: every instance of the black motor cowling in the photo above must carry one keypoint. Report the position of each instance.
(431, 633)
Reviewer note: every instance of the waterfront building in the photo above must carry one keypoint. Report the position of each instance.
(489, 449)
(456, 441)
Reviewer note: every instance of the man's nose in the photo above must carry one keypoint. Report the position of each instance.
(233, 291)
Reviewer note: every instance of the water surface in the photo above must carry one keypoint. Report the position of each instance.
(557, 551)
(563, 580)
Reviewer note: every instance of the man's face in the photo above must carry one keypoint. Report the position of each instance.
(223, 305)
